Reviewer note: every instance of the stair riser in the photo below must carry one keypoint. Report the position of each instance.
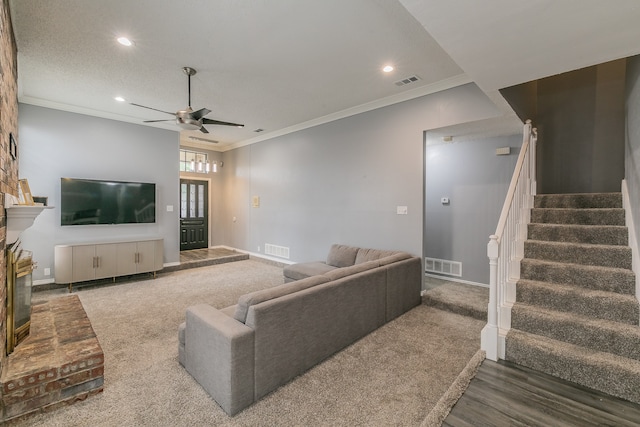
(619, 281)
(578, 216)
(605, 256)
(622, 340)
(614, 380)
(597, 235)
(578, 201)
(584, 305)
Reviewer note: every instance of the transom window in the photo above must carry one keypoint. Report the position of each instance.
(193, 161)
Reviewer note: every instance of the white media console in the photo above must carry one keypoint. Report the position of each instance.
(81, 262)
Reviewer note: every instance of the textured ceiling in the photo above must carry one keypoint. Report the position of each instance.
(268, 64)
(281, 65)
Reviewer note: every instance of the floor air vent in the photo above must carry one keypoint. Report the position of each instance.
(408, 80)
(442, 266)
(279, 251)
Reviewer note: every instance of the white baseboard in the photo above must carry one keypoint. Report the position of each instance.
(453, 279)
(256, 254)
(43, 282)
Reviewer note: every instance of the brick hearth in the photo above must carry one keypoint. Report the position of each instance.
(59, 363)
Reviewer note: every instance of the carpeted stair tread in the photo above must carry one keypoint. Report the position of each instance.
(598, 304)
(579, 253)
(620, 280)
(459, 298)
(579, 200)
(602, 335)
(578, 233)
(596, 216)
(606, 372)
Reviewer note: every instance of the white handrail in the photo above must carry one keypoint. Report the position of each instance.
(505, 247)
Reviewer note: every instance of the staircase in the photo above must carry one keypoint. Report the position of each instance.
(576, 316)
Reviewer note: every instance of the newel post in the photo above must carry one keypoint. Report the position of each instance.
(489, 337)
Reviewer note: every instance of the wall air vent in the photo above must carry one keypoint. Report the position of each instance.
(279, 251)
(408, 80)
(442, 266)
(196, 138)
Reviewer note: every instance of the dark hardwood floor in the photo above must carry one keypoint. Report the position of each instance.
(204, 257)
(505, 394)
(203, 254)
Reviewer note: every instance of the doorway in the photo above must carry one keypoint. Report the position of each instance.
(194, 214)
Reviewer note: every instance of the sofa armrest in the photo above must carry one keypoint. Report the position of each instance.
(404, 284)
(219, 354)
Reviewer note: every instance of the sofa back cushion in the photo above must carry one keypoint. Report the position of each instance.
(365, 255)
(398, 256)
(339, 273)
(252, 298)
(342, 256)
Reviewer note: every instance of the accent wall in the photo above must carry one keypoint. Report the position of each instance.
(475, 181)
(343, 181)
(56, 144)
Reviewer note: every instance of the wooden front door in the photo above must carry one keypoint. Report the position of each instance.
(194, 215)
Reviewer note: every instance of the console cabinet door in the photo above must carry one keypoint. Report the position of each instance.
(105, 261)
(146, 257)
(63, 260)
(84, 263)
(127, 255)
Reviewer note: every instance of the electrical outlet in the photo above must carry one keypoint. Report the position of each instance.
(47, 271)
(258, 248)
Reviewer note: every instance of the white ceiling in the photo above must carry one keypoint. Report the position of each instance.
(282, 65)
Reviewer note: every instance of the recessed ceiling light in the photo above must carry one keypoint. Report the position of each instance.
(387, 68)
(119, 99)
(125, 41)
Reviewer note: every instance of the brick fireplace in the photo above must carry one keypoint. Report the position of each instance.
(61, 360)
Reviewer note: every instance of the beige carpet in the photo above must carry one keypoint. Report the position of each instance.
(394, 376)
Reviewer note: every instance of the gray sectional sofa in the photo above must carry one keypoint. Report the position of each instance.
(241, 353)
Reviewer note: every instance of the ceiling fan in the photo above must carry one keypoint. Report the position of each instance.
(188, 119)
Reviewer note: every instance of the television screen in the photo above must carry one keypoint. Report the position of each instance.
(87, 201)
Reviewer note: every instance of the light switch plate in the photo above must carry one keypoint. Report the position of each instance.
(401, 210)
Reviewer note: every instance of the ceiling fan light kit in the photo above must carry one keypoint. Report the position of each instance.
(188, 119)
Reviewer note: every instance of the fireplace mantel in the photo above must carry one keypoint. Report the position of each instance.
(19, 217)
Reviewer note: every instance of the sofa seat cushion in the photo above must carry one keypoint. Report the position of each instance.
(253, 298)
(339, 273)
(342, 256)
(306, 269)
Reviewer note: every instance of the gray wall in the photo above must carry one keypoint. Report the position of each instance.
(476, 181)
(632, 143)
(55, 144)
(341, 182)
(580, 121)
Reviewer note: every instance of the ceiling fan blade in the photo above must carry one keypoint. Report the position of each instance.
(200, 113)
(218, 122)
(203, 129)
(155, 109)
(154, 121)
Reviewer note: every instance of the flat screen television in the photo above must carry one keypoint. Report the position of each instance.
(89, 201)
